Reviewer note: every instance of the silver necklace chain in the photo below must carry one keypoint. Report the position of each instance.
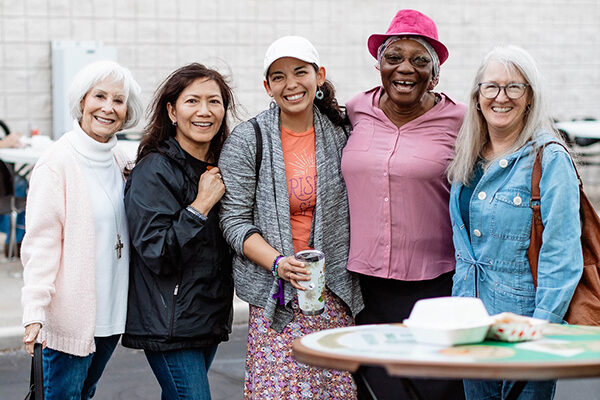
(119, 244)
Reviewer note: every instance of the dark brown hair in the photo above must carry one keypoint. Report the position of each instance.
(160, 127)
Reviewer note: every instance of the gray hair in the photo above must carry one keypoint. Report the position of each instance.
(98, 71)
(473, 134)
(435, 59)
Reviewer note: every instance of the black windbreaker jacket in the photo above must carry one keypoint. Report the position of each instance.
(180, 281)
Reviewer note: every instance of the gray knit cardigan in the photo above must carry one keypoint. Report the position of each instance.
(264, 206)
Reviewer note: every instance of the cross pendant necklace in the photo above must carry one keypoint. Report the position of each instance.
(118, 246)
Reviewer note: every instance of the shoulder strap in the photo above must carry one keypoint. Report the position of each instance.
(346, 131)
(258, 135)
(537, 226)
(539, 156)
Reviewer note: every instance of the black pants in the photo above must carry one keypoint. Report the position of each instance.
(389, 301)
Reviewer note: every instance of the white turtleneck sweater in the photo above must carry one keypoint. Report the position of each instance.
(105, 187)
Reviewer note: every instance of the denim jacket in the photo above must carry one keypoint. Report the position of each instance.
(492, 264)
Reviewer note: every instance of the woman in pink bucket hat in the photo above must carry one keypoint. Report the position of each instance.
(394, 166)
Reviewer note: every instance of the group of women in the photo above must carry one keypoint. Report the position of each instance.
(408, 193)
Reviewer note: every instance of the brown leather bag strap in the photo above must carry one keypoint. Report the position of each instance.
(537, 226)
(536, 177)
(572, 162)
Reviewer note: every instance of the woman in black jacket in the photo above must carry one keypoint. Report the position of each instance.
(181, 288)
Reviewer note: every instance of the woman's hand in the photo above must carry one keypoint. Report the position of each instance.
(291, 270)
(11, 140)
(210, 191)
(31, 333)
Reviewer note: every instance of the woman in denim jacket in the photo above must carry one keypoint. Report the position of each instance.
(505, 126)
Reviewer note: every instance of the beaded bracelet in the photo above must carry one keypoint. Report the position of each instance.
(276, 265)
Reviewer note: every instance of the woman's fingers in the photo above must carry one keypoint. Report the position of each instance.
(296, 285)
(291, 269)
(31, 333)
(300, 274)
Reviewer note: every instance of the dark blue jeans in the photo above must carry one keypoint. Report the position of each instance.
(182, 374)
(497, 390)
(69, 377)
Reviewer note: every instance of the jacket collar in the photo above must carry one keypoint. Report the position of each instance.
(171, 149)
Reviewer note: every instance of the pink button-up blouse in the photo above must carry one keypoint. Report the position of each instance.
(397, 189)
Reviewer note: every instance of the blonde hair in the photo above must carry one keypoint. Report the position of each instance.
(473, 134)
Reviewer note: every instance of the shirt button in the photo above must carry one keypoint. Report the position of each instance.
(481, 195)
(517, 200)
(503, 163)
(385, 199)
(385, 174)
(477, 232)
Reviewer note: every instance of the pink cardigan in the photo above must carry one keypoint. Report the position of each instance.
(58, 252)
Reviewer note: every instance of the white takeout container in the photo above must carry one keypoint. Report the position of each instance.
(40, 141)
(509, 327)
(449, 321)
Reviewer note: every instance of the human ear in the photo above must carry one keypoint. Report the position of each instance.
(321, 73)
(433, 83)
(267, 88)
(172, 113)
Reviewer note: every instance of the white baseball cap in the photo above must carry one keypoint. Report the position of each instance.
(291, 46)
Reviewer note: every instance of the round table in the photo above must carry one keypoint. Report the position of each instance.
(566, 351)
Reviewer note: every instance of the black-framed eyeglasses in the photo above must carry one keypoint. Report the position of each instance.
(513, 91)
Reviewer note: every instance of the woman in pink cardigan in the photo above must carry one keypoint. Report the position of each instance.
(76, 248)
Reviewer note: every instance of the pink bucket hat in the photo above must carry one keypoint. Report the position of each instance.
(410, 23)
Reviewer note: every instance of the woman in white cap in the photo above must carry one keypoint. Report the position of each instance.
(394, 166)
(295, 200)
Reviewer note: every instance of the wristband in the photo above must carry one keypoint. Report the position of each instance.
(276, 265)
(196, 213)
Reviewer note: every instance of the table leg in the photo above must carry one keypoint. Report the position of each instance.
(515, 390)
(365, 384)
(408, 385)
(411, 389)
(12, 233)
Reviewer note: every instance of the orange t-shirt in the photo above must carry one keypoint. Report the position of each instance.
(301, 176)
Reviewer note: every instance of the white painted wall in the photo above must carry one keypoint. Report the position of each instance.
(153, 37)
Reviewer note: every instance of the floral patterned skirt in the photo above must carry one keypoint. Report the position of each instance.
(271, 371)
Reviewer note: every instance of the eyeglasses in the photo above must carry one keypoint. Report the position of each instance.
(395, 59)
(512, 90)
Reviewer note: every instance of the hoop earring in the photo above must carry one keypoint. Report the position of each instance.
(272, 104)
(478, 106)
(319, 94)
(174, 123)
